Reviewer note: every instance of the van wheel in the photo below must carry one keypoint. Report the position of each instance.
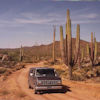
(30, 87)
(35, 92)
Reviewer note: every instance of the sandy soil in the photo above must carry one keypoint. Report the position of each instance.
(16, 88)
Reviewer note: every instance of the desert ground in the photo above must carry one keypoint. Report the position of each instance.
(15, 87)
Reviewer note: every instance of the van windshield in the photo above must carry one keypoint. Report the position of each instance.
(45, 72)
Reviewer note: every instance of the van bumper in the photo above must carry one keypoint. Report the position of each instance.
(48, 87)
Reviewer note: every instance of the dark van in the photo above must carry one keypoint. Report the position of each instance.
(42, 79)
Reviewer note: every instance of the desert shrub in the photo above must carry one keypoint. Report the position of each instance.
(63, 73)
(2, 70)
(19, 66)
(78, 77)
(60, 71)
(14, 55)
(8, 72)
(4, 92)
(8, 64)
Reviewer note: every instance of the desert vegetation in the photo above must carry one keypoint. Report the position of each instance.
(72, 57)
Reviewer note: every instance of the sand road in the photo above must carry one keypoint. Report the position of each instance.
(17, 86)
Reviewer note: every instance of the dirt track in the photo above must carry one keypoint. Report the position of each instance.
(18, 89)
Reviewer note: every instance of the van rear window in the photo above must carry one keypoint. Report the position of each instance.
(45, 72)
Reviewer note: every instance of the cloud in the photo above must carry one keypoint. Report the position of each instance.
(85, 21)
(91, 16)
(33, 21)
(34, 18)
(49, 19)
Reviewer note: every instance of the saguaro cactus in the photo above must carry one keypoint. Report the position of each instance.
(87, 50)
(54, 44)
(82, 55)
(77, 52)
(66, 51)
(67, 55)
(21, 54)
(93, 50)
(69, 38)
(62, 44)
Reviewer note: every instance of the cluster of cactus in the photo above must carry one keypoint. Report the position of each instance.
(66, 51)
(53, 53)
(21, 54)
(92, 51)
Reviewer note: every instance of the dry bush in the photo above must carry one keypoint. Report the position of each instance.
(2, 70)
(78, 77)
(4, 92)
(62, 73)
(8, 72)
(20, 66)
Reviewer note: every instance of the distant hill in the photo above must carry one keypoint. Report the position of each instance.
(34, 52)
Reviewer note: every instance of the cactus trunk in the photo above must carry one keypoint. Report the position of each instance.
(69, 44)
(69, 38)
(82, 55)
(92, 49)
(21, 54)
(54, 44)
(77, 51)
(66, 53)
(87, 50)
(62, 44)
(95, 51)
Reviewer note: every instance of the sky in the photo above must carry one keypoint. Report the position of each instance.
(30, 22)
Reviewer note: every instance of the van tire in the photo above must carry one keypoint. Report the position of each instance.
(30, 87)
(35, 92)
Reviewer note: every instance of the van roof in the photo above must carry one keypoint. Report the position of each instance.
(41, 68)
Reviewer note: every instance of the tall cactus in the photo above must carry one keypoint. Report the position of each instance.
(87, 50)
(69, 43)
(82, 55)
(69, 38)
(95, 51)
(67, 55)
(54, 44)
(62, 44)
(77, 43)
(21, 53)
(66, 49)
(92, 48)
(94, 38)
